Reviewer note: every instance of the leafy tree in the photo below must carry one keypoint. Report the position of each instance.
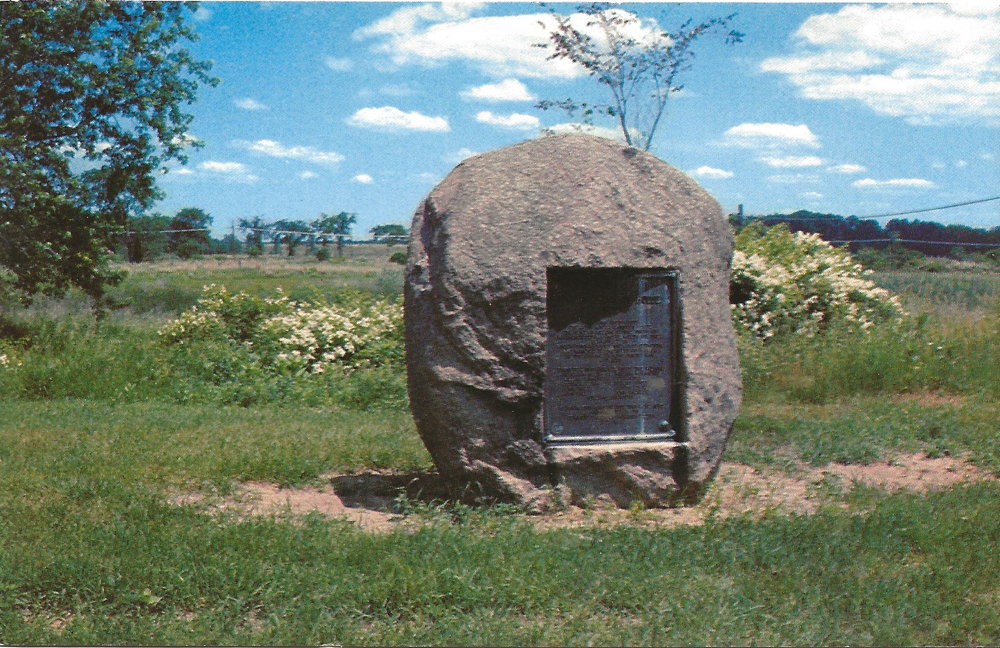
(640, 66)
(143, 240)
(276, 237)
(292, 233)
(190, 235)
(229, 244)
(339, 225)
(254, 230)
(390, 233)
(91, 98)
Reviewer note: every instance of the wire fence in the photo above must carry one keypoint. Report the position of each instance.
(309, 236)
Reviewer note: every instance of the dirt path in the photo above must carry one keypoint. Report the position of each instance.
(367, 499)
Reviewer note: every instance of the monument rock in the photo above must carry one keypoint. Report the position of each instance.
(568, 329)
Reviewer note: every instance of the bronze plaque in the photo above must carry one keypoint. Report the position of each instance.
(611, 355)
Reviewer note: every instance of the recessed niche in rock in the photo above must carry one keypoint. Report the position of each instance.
(611, 356)
(568, 326)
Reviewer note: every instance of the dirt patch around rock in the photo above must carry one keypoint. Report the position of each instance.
(369, 500)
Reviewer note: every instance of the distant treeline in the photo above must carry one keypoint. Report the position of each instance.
(188, 234)
(939, 240)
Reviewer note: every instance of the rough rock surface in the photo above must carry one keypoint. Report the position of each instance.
(476, 316)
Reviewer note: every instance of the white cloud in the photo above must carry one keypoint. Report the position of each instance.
(847, 168)
(459, 155)
(182, 171)
(712, 173)
(396, 90)
(184, 139)
(202, 14)
(813, 195)
(926, 63)
(223, 167)
(278, 150)
(248, 103)
(388, 90)
(792, 161)
(338, 64)
(517, 121)
(392, 118)
(792, 178)
(499, 45)
(308, 175)
(961, 164)
(918, 183)
(230, 171)
(506, 90)
(820, 62)
(406, 19)
(769, 135)
(987, 156)
(363, 178)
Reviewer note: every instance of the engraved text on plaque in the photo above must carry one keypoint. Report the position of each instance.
(611, 355)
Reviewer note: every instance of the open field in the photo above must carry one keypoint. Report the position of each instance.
(142, 501)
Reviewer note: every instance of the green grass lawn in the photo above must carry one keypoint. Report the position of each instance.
(96, 433)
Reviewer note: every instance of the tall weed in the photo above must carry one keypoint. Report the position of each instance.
(918, 354)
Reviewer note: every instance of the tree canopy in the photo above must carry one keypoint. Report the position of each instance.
(339, 225)
(639, 64)
(188, 233)
(91, 109)
(390, 233)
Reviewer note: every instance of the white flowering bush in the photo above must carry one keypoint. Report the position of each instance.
(293, 337)
(222, 314)
(784, 283)
(314, 338)
(9, 355)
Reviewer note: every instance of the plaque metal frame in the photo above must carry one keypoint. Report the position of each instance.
(625, 296)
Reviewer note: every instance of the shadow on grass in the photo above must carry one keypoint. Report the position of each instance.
(383, 491)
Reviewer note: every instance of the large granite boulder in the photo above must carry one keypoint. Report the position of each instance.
(568, 330)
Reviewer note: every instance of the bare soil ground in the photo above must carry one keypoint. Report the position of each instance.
(367, 499)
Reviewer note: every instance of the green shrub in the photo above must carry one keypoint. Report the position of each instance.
(322, 254)
(188, 249)
(892, 257)
(786, 284)
(231, 334)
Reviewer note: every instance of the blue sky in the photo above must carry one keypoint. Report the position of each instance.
(363, 107)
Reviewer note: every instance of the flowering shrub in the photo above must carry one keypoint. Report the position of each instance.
(9, 353)
(313, 338)
(294, 337)
(784, 283)
(221, 314)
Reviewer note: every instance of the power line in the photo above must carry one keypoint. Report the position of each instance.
(902, 213)
(275, 231)
(168, 231)
(893, 240)
(929, 209)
